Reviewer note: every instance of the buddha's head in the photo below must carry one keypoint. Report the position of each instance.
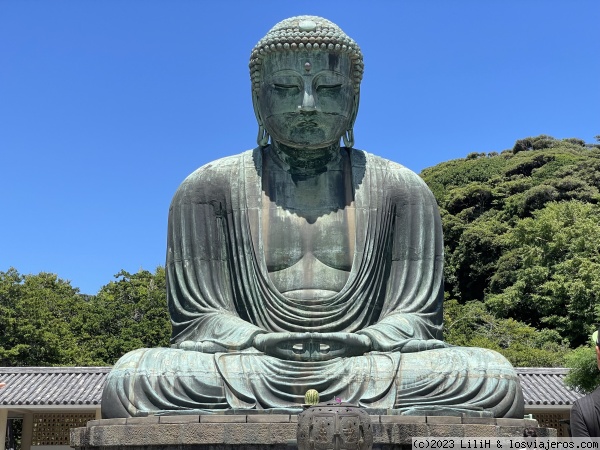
(306, 75)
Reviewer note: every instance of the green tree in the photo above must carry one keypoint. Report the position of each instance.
(472, 325)
(45, 321)
(474, 258)
(37, 313)
(551, 270)
(127, 314)
(513, 242)
(584, 375)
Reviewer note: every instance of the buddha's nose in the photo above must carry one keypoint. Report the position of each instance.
(308, 102)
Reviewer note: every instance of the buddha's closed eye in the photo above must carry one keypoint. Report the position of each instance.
(285, 86)
(326, 87)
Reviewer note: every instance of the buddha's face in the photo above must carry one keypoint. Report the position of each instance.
(306, 98)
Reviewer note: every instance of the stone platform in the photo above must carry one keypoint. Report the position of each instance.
(275, 431)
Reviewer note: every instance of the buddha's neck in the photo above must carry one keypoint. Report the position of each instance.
(306, 162)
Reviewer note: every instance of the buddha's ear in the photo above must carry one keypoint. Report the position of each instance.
(355, 109)
(263, 137)
(348, 136)
(255, 105)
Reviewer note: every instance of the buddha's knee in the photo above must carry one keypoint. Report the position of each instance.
(460, 378)
(116, 393)
(130, 360)
(470, 359)
(450, 367)
(482, 359)
(147, 380)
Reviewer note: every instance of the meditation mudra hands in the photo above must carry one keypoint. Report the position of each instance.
(314, 346)
(295, 346)
(326, 346)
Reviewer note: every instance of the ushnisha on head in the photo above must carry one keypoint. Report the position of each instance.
(312, 62)
(306, 33)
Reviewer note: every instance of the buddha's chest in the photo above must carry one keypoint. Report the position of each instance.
(289, 238)
(307, 227)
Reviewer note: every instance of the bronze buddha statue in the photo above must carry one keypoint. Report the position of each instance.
(304, 264)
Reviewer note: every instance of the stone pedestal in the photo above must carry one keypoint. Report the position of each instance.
(275, 431)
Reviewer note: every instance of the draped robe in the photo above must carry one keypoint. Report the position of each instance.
(220, 296)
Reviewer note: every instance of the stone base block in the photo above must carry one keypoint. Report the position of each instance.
(275, 431)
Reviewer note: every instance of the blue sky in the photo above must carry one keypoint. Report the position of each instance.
(106, 106)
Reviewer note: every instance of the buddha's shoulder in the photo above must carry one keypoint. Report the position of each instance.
(214, 179)
(390, 170)
(219, 168)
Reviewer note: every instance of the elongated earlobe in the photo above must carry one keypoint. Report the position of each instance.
(263, 137)
(348, 138)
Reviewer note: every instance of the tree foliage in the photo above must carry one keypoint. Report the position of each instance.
(472, 325)
(44, 321)
(127, 314)
(549, 272)
(37, 313)
(584, 375)
(522, 244)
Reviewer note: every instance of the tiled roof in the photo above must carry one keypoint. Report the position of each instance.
(52, 385)
(545, 386)
(83, 386)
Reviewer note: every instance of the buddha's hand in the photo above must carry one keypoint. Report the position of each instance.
(200, 346)
(312, 346)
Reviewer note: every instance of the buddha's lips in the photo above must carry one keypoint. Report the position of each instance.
(295, 118)
(302, 120)
(305, 123)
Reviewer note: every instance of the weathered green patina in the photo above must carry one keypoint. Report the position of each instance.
(305, 265)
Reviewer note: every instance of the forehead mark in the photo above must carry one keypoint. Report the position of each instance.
(307, 66)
